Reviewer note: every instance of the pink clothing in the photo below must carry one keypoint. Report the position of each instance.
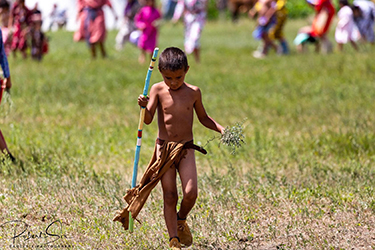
(144, 21)
(7, 39)
(91, 21)
(21, 19)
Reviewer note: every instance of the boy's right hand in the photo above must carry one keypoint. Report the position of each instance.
(143, 100)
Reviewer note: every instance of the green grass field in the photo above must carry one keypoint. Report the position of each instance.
(305, 179)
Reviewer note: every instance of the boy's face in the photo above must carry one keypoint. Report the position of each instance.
(174, 79)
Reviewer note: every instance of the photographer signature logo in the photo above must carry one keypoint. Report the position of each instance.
(17, 234)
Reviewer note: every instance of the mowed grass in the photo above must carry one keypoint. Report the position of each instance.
(304, 179)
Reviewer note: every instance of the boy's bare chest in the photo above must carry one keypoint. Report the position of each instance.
(177, 104)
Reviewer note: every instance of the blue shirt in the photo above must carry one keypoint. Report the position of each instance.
(3, 58)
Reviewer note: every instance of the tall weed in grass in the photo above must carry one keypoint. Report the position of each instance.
(304, 179)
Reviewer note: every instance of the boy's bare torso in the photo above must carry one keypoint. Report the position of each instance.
(176, 111)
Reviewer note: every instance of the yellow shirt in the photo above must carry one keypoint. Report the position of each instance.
(280, 4)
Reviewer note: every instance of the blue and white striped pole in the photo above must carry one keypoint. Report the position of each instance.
(140, 128)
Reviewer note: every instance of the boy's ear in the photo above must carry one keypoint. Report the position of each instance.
(187, 69)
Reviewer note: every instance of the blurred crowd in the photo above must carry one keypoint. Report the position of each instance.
(21, 30)
(21, 27)
(355, 22)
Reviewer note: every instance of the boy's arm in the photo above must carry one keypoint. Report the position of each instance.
(206, 120)
(150, 103)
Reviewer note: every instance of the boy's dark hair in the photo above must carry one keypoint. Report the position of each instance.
(173, 59)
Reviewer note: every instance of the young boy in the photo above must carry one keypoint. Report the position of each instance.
(175, 101)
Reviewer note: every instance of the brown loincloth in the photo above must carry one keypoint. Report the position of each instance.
(171, 154)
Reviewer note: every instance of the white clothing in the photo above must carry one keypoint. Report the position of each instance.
(346, 29)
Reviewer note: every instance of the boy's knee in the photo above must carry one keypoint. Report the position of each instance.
(191, 196)
(170, 198)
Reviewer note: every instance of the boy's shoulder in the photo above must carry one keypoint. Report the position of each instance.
(192, 87)
(158, 85)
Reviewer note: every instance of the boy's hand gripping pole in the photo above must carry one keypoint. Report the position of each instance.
(140, 127)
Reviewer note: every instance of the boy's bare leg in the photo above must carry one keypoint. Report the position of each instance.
(170, 196)
(188, 176)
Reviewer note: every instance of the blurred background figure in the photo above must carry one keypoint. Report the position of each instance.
(92, 24)
(168, 8)
(6, 84)
(364, 17)
(195, 14)
(266, 20)
(346, 31)
(238, 6)
(19, 21)
(147, 21)
(39, 45)
(131, 9)
(52, 16)
(276, 32)
(317, 32)
(4, 17)
(36, 10)
(58, 18)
